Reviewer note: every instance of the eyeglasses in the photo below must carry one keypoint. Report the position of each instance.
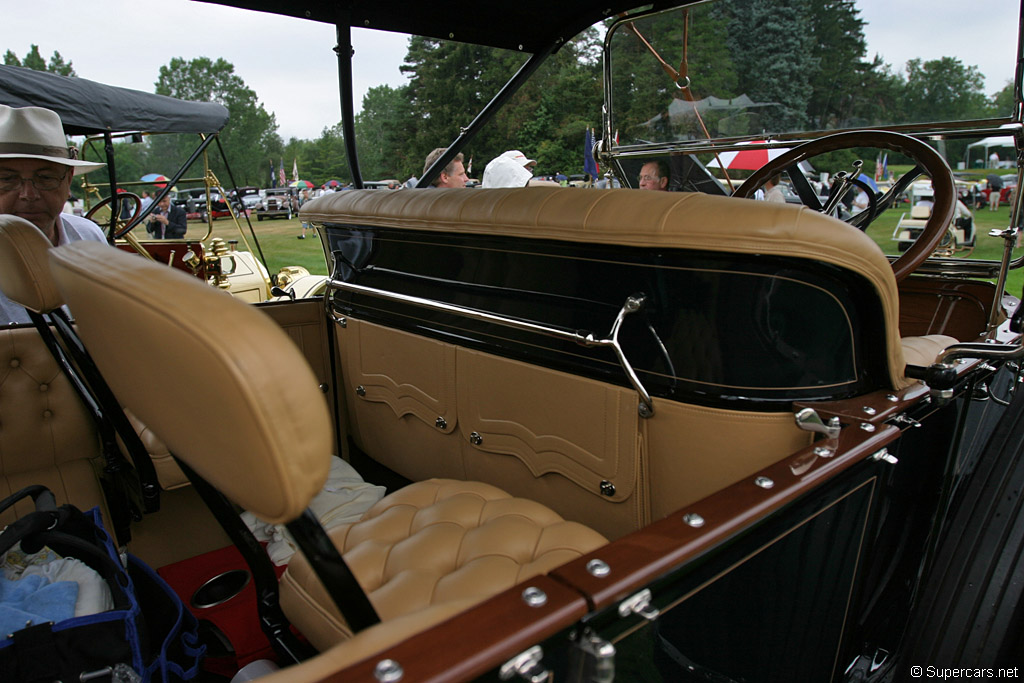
(41, 181)
(649, 178)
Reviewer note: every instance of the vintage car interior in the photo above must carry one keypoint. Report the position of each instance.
(676, 435)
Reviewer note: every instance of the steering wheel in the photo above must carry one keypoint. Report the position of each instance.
(927, 162)
(117, 233)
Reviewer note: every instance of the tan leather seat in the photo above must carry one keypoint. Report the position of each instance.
(46, 435)
(25, 278)
(260, 433)
(433, 544)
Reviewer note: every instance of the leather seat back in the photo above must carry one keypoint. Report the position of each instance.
(274, 426)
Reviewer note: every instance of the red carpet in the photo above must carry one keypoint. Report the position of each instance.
(235, 617)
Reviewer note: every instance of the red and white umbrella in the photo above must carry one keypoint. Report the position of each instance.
(747, 159)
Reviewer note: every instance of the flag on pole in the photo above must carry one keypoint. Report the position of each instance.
(878, 167)
(281, 177)
(589, 163)
(295, 170)
(273, 180)
(885, 166)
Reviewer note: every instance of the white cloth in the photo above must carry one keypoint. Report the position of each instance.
(71, 229)
(93, 593)
(343, 500)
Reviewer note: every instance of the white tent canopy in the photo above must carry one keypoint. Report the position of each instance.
(994, 141)
(986, 144)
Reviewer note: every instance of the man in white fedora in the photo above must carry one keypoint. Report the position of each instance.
(36, 168)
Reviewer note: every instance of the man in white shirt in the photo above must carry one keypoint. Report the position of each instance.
(36, 168)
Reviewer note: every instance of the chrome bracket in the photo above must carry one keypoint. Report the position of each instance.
(883, 455)
(525, 665)
(632, 304)
(592, 659)
(639, 603)
(808, 420)
(904, 419)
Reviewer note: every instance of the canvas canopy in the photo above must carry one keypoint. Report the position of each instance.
(87, 107)
(524, 26)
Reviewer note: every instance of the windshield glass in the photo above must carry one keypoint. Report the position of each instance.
(761, 74)
(761, 69)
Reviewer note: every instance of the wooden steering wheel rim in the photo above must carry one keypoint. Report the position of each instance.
(934, 165)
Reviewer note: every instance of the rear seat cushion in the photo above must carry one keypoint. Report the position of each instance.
(432, 546)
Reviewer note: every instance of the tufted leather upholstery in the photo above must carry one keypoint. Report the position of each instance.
(422, 553)
(434, 543)
(46, 436)
(25, 278)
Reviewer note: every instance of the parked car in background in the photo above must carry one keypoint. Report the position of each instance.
(382, 184)
(277, 202)
(245, 198)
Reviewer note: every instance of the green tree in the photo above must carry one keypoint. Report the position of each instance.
(382, 137)
(773, 51)
(34, 60)
(250, 135)
(1002, 101)
(943, 90)
(450, 83)
(556, 107)
(838, 53)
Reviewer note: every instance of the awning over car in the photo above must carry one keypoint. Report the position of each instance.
(87, 107)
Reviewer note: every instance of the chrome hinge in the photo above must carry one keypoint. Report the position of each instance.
(592, 660)
(884, 455)
(525, 665)
(639, 603)
(904, 419)
(808, 420)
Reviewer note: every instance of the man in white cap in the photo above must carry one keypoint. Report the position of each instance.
(36, 168)
(512, 169)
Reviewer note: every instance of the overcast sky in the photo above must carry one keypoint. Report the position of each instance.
(290, 64)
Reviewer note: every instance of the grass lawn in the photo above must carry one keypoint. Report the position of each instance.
(277, 238)
(986, 248)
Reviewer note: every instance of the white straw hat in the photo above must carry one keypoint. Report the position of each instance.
(37, 133)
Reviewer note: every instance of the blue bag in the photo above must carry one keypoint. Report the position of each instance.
(147, 636)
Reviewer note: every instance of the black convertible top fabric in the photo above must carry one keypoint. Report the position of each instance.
(87, 107)
(523, 25)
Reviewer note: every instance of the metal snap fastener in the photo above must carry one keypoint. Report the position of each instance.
(535, 597)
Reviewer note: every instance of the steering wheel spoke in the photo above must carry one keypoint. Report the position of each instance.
(803, 188)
